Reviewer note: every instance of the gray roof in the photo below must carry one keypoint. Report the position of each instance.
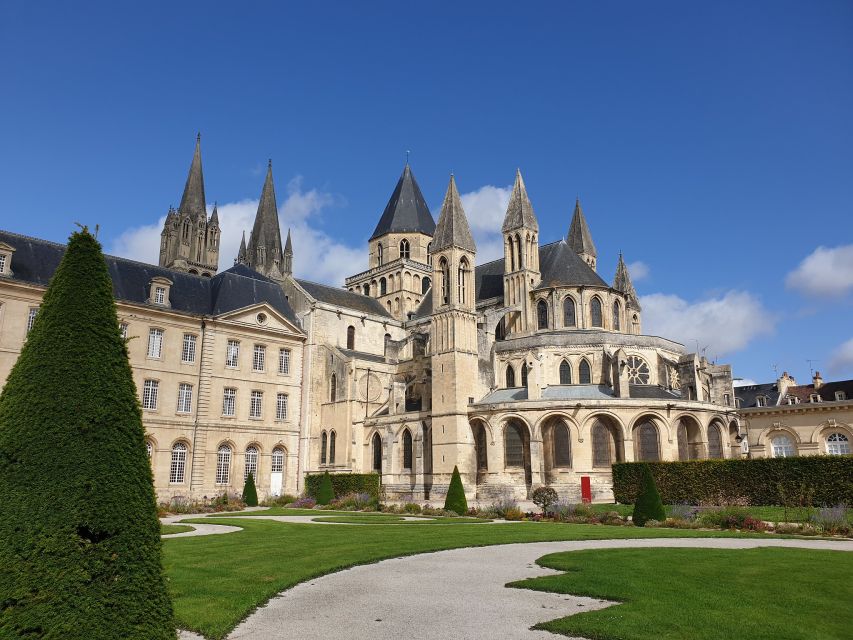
(579, 237)
(577, 392)
(519, 211)
(361, 355)
(192, 201)
(452, 229)
(653, 392)
(748, 394)
(343, 298)
(505, 395)
(406, 209)
(35, 261)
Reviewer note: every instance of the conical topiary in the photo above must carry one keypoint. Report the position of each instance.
(455, 500)
(79, 535)
(250, 493)
(648, 505)
(326, 492)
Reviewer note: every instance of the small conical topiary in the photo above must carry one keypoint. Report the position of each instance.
(79, 535)
(648, 505)
(326, 492)
(455, 500)
(250, 493)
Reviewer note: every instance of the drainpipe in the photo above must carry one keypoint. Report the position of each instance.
(197, 400)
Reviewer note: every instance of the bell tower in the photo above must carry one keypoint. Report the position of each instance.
(521, 258)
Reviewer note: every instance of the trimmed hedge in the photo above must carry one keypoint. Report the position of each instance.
(760, 481)
(455, 500)
(344, 483)
(648, 505)
(250, 492)
(326, 492)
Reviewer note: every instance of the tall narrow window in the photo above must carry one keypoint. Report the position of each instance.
(562, 446)
(149, 449)
(177, 468)
(332, 439)
(383, 286)
(232, 354)
(376, 445)
(569, 319)
(514, 454)
(123, 330)
(284, 361)
(256, 404)
(155, 343)
(837, 444)
(425, 284)
(510, 377)
(511, 255)
(3, 263)
(31, 318)
(159, 295)
(333, 388)
(565, 373)
(324, 444)
(259, 358)
(462, 279)
(524, 375)
(367, 289)
(185, 398)
(229, 401)
(429, 253)
(150, 389)
(647, 435)
(520, 254)
(407, 449)
(281, 406)
(595, 312)
(379, 254)
(715, 442)
(277, 460)
(223, 464)
(585, 375)
(445, 281)
(600, 446)
(188, 349)
(251, 463)
(405, 251)
(542, 314)
(616, 314)
(351, 337)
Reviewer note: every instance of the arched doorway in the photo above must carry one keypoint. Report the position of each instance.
(715, 440)
(480, 450)
(376, 445)
(689, 439)
(517, 449)
(608, 446)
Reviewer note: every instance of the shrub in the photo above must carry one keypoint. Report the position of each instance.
(279, 501)
(325, 492)
(355, 502)
(832, 520)
(411, 507)
(250, 493)
(685, 512)
(303, 503)
(455, 500)
(544, 497)
(648, 505)
(80, 545)
(344, 483)
(503, 503)
(514, 513)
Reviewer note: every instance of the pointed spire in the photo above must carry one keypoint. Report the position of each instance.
(288, 246)
(579, 237)
(192, 202)
(214, 217)
(519, 211)
(288, 256)
(264, 248)
(406, 209)
(452, 228)
(622, 282)
(241, 252)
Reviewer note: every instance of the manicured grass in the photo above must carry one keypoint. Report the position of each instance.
(283, 511)
(704, 594)
(216, 581)
(166, 529)
(392, 519)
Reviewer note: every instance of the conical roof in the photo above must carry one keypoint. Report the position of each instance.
(266, 231)
(192, 202)
(622, 282)
(288, 246)
(519, 211)
(406, 210)
(214, 217)
(579, 238)
(241, 252)
(452, 228)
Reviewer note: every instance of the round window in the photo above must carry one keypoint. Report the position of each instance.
(638, 370)
(262, 318)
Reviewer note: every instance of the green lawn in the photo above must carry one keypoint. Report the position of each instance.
(216, 581)
(174, 528)
(704, 594)
(393, 519)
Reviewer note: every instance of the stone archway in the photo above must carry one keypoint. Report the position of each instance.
(556, 446)
(688, 435)
(608, 445)
(517, 449)
(481, 454)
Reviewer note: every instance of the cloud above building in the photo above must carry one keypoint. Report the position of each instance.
(826, 272)
(842, 358)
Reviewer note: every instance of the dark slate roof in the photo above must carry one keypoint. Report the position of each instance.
(425, 307)
(406, 210)
(344, 298)
(748, 394)
(579, 237)
(826, 391)
(652, 392)
(35, 260)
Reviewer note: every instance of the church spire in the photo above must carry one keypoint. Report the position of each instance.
(622, 282)
(241, 252)
(192, 202)
(519, 212)
(288, 255)
(214, 217)
(264, 253)
(452, 228)
(579, 237)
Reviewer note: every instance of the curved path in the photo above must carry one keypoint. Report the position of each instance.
(450, 595)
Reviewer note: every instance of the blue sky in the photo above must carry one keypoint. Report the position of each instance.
(710, 142)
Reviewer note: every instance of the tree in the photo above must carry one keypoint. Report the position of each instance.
(79, 534)
(455, 500)
(648, 505)
(250, 493)
(544, 497)
(326, 492)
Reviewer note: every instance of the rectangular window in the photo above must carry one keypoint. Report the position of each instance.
(259, 358)
(281, 406)
(284, 361)
(185, 398)
(149, 394)
(840, 395)
(188, 350)
(31, 318)
(256, 404)
(123, 330)
(159, 295)
(2, 263)
(760, 401)
(229, 401)
(232, 353)
(223, 465)
(155, 343)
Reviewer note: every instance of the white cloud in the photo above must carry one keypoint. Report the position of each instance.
(724, 324)
(745, 382)
(842, 359)
(638, 270)
(825, 272)
(485, 209)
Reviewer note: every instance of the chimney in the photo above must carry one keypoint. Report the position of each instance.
(784, 382)
(817, 381)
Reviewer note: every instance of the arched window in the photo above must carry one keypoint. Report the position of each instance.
(149, 449)
(542, 314)
(277, 460)
(405, 251)
(500, 330)
(333, 390)
(565, 373)
(367, 289)
(407, 449)
(638, 370)
(377, 453)
(463, 278)
(683, 443)
(595, 312)
(647, 438)
(186, 230)
(350, 337)
(514, 445)
(520, 254)
(837, 444)
(379, 254)
(715, 442)
(524, 375)
(600, 446)
(569, 319)
(429, 255)
(445, 281)
(178, 467)
(782, 447)
(332, 438)
(562, 446)
(383, 286)
(324, 444)
(425, 283)
(511, 255)
(510, 377)
(251, 463)
(584, 373)
(616, 314)
(223, 464)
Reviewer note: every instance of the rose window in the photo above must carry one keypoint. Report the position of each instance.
(638, 370)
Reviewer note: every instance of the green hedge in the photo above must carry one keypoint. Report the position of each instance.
(345, 483)
(828, 480)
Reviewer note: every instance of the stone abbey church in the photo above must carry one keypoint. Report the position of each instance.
(527, 370)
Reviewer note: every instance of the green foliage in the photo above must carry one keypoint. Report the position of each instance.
(250, 493)
(827, 480)
(648, 505)
(344, 483)
(326, 493)
(455, 500)
(544, 497)
(79, 535)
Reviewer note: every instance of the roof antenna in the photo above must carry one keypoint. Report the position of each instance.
(811, 369)
(407, 157)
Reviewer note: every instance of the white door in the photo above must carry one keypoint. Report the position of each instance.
(275, 484)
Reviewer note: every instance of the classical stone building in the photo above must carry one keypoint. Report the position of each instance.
(527, 370)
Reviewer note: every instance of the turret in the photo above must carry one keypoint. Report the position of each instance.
(288, 255)
(622, 283)
(580, 238)
(521, 256)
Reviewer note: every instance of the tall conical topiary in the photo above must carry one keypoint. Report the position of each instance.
(455, 500)
(79, 535)
(250, 492)
(326, 492)
(648, 505)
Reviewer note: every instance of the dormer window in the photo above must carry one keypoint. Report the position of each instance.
(6, 251)
(792, 399)
(814, 398)
(760, 401)
(159, 293)
(840, 395)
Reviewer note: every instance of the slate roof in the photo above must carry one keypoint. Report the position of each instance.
(748, 394)
(343, 298)
(652, 392)
(579, 237)
(406, 209)
(35, 261)
(577, 392)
